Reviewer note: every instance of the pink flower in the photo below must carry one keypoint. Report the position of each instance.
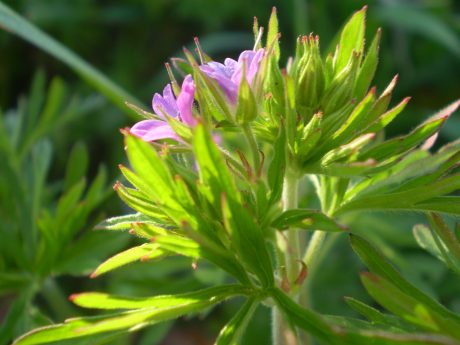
(229, 74)
(167, 104)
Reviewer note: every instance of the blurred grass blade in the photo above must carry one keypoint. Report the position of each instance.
(14, 23)
(416, 21)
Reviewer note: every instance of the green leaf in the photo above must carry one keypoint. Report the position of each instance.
(217, 255)
(98, 300)
(406, 306)
(77, 165)
(14, 23)
(404, 143)
(442, 204)
(306, 219)
(358, 332)
(367, 311)
(277, 167)
(367, 71)
(138, 202)
(272, 34)
(154, 177)
(354, 123)
(304, 318)
(446, 235)
(351, 38)
(378, 264)
(408, 199)
(248, 240)
(124, 222)
(424, 238)
(144, 252)
(385, 119)
(170, 307)
(233, 331)
(214, 173)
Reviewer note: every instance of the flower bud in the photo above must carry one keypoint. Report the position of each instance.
(310, 76)
(309, 136)
(340, 92)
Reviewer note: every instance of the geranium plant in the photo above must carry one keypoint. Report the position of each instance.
(216, 173)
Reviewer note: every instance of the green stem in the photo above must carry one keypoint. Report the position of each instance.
(314, 246)
(281, 332)
(290, 201)
(253, 146)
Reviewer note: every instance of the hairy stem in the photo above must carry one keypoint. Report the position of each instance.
(253, 146)
(282, 334)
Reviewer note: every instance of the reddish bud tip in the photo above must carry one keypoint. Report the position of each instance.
(370, 276)
(116, 186)
(132, 231)
(153, 239)
(195, 265)
(93, 275)
(273, 10)
(145, 258)
(72, 297)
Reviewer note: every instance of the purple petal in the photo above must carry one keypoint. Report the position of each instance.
(151, 130)
(166, 103)
(185, 101)
(253, 65)
(251, 60)
(222, 74)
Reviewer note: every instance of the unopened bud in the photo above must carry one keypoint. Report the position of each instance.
(310, 76)
(340, 92)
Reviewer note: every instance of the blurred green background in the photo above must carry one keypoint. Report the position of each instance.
(130, 41)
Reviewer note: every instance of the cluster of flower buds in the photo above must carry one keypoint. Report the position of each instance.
(320, 109)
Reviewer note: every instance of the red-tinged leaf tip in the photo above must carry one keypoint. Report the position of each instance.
(285, 286)
(144, 258)
(274, 10)
(153, 239)
(302, 274)
(93, 275)
(125, 131)
(132, 231)
(364, 9)
(73, 297)
(447, 111)
(194, 265)
(390, 86)
(319, 115)
(116, 186)
(428, 144)
(370, 276)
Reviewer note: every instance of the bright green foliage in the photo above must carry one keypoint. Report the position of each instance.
(42, 224)
(202, 198)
